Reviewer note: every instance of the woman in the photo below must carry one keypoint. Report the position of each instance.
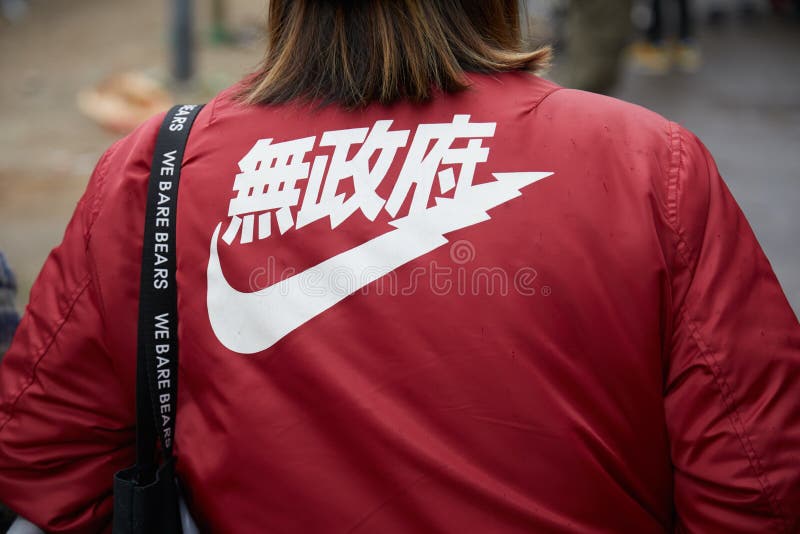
(420, 290)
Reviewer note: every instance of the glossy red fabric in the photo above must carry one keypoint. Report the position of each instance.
(638, 371)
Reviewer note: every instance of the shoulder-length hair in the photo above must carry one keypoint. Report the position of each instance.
(355, 52)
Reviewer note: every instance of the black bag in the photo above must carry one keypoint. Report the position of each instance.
(146, 498)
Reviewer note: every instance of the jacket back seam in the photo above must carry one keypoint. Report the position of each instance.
(94, 214)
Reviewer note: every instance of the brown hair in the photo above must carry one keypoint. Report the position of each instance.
(354, 52)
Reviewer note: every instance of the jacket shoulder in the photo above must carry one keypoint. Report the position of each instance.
(593, 115)
(640, 146)
(120, 182)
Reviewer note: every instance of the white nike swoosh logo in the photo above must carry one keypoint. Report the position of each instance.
(248, 323)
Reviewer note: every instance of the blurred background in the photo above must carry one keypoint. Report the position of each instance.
(77, 74)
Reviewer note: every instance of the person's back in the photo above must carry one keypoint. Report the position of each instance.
(514, 308)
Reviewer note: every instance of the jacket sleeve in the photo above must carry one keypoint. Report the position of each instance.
(64, 427)
(732, 384)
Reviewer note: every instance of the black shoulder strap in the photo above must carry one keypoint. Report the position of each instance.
(157, 352)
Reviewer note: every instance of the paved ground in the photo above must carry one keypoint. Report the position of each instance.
(745, 105)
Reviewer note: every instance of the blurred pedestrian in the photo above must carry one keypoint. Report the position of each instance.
(597, 33)
(9, 319)
(661, 50)
(419, 289)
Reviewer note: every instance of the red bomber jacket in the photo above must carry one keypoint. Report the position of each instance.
(520, 308)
